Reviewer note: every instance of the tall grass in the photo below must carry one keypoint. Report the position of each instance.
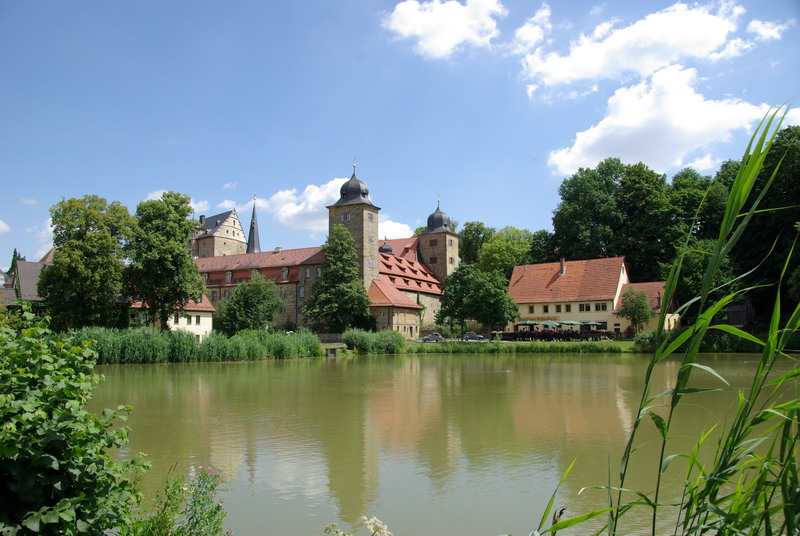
(146, 345)
(751, 484)
(534, 347)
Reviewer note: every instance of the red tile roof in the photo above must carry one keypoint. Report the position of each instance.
(193, 306)
(267, 259)
(404, 248)
(384, 294)
(593, 279)
(407, 274)
(653, 289)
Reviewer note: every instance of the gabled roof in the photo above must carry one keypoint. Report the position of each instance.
(209, 225)
(204, 306)
(653, 289)
(254, 261)
(407, 274)
(48, 257)
(27, 279)
(384, 294)
(592, 279)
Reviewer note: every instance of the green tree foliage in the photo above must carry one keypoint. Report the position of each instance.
(12, 267)
(775, 225)
(693, 268)
(82, 286)
(635, 307)
(253, 305)
(470, 240)
(587, 218)
(507, 248)
(162, 274)
(543, 247)
(338, 299)
(469, 293)
(697, 203)
(56, 476)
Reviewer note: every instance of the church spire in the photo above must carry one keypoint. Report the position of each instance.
(253, 243)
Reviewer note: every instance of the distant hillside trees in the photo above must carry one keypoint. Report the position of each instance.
(82, 286)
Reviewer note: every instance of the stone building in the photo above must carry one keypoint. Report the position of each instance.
(223, 234)
(403, 277)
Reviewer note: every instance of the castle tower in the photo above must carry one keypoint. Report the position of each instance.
(253, 243)
(438, 245)
(355, 210)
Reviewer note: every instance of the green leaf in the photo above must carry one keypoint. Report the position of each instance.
(660, 424)
(575, 520)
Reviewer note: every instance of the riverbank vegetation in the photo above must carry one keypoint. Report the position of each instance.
(147, 345)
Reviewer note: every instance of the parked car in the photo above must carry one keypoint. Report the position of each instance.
(471, 336)
(433, 337)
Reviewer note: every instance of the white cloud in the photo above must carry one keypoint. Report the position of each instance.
(735, 47)
(226, 205)
(4, 227)
(154, 195)
(305, 210)
(705, 163)
(44, 237)
(441, 28)
(230, 185)
(392, 229)
(647, 45)
(659, 122)
(199, 206)
(766, 30)
(533, 31)
(29, 201)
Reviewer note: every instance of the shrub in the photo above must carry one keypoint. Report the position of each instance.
(644, 341)
(55, 474)
(387, 342)
(357, 339)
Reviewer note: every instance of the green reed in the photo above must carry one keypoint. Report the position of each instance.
(751, 484)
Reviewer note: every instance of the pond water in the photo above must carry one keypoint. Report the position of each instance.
(445, 445)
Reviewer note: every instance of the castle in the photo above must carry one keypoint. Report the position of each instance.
(403, 277)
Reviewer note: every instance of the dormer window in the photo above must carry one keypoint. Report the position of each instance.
(228, 276)
(285, 273)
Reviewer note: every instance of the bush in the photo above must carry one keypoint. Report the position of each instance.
(644, 341)
(357, 339)
(55, 474)
(387, 342)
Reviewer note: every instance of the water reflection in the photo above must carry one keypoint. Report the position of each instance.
(451, 445)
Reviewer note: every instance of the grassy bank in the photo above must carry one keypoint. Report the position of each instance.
(145, 345)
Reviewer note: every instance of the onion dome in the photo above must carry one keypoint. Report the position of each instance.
(438, 222)
(353, 192)
(385, 247)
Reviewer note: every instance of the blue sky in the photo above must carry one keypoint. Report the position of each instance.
(485, 104)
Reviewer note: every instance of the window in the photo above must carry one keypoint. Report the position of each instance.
(283, 293)
(197, 319)
(301, 291)
(319, 271)
(450, 242)
(433, 243)
(177, 318)
(558, 308)
(145, 318)
(345, 216)
(228, 277)
(545, 308)
(201, 299)
(213, 295)
(584, 307)
(225, 294)
(205, 278)
(308, 272)
(568, 308)
(433, 260)
(452, 260)
(601, 306)
(188, 320)
(285, 273)
(531, 308)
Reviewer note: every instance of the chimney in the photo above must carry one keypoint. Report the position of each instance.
(202, 219)
(278, 249)
(563, 267)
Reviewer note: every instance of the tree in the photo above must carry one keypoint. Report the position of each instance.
(587, 218)
(507, 248)
(162, 274)
(469, 293)
(635, 307)
(82, 286)
(543, 247)
(253, 305)
(470, 240)
(338, 299)
(697, 203)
